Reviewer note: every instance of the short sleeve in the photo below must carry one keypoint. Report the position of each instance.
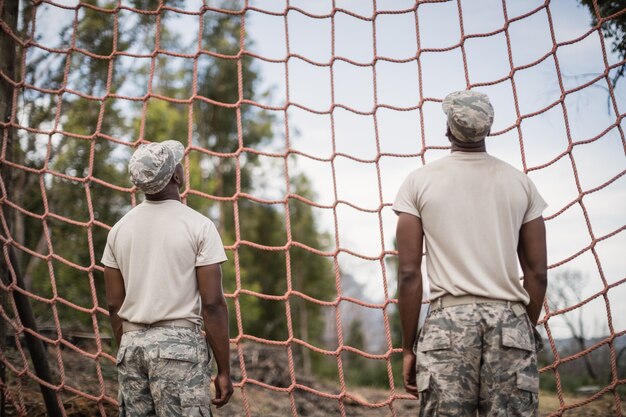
(210, 247)
(108, 257)
(536, 203)
(406, 199)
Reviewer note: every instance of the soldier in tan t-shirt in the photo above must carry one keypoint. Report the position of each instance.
(479, 219)
(163, 284)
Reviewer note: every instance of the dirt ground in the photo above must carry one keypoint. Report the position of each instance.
(263, 403)
(260, 402)
(604, 406)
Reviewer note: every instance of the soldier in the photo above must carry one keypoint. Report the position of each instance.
(163, 283)
(476, 352)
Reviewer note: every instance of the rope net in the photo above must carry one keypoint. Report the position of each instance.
(48, 199)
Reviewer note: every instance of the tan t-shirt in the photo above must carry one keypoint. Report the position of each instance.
(472, 206)
(157, 246)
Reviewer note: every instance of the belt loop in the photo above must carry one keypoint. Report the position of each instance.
(508, 304)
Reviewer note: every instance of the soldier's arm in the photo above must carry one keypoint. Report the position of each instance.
(532, 255)
(215, 316)
(115, 295)
(409, 238)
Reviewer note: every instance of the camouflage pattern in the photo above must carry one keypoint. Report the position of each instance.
(164, 371)
(470, 115)
(478, 359)
(151, 167)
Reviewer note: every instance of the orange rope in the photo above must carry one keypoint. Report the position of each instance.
(20, 368)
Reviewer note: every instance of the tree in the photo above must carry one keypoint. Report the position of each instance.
(614, 29)
(565, 291)
(311, 274)
(80, 153)
(84, 151)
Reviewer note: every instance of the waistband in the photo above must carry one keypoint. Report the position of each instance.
(127, 326)
(449, 300)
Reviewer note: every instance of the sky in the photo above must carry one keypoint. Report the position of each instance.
(401, 128)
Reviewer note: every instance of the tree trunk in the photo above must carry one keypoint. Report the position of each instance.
(304, 319)
(304, 331)
(8, 62)
(34, 261)
(581, 339)
(35, 345)
(586, 359)
(219, 191)
(619, 356)
(8, 14)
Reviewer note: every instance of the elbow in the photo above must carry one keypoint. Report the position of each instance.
(114, 307)
(114, 303)
(539, 276)
(542, 278)
(409, 275)
(214, 306)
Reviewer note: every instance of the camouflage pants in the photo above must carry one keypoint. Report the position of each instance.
(478, 359)
(164, 371)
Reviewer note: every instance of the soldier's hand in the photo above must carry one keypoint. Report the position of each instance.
(408, 373)
(223, 390)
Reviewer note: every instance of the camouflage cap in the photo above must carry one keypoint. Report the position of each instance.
(470, 115)
(151, 167)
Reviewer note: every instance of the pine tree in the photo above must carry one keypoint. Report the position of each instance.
(85, 152)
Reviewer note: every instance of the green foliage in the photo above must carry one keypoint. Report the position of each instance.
(356, 338)
(374, 374)
(224, 130)
(361, 371)
(311, 274)
(78, 158)
(570, 381)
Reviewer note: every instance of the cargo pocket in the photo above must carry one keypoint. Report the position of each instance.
(518, 337)
(427, 401)
(423, 382)
(185, 353)
(195, 404)
(435, 334)
(524, 401)
(176, 361)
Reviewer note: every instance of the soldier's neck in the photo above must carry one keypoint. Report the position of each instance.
(168, 193)
(458, 146)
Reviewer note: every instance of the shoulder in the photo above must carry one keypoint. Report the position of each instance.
(508, 175)
(126, 218)
(507, 168)
(438, 164)
(193, 216)
(191, 213)
(429, 169)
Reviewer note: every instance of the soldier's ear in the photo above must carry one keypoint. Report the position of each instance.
(178, 175)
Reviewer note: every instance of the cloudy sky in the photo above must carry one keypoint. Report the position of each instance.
(545, 136)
